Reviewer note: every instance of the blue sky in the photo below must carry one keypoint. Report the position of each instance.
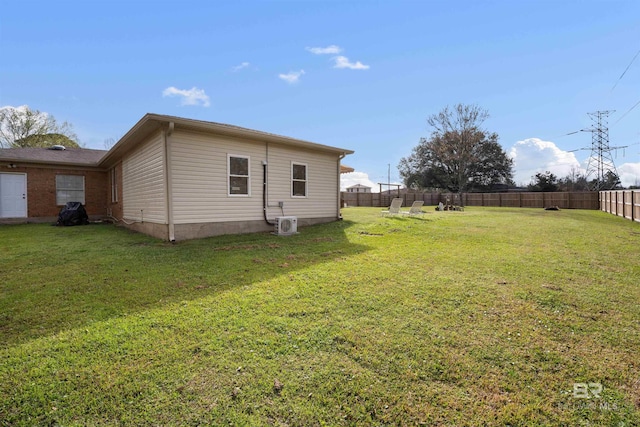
(362, 75)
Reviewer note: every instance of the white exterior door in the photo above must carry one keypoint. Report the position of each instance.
(13, 195)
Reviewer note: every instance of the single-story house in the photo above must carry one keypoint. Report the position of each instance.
(358, 188)
(176, 178)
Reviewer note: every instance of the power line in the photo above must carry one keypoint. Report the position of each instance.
(628, 111)
(625, 71)
(564, 134)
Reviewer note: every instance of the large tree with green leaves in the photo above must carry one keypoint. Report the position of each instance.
(459, 155)
(24, 127)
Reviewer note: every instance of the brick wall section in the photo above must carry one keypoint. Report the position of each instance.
(41, 190)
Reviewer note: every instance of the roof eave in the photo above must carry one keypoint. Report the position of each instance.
(141, 129)
(151, 122)
(49, 163)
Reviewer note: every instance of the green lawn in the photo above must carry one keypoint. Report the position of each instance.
(488, 317)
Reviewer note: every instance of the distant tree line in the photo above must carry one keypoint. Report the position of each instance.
(574, 181)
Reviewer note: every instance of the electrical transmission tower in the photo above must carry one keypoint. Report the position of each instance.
(600, 161)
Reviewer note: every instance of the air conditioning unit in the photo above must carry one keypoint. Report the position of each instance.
(286, 225)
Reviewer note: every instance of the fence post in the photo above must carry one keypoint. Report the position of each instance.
(618, 207)
(614, 203)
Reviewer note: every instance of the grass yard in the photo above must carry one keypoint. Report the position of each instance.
(488, 317)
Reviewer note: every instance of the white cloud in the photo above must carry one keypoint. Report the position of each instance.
(193, 96)
(629, 174)
(22, 109)
(339, 61)
(292, 77)
(353, 178)
(241, 66)
(343, 62)
(10, 109)
(534, 155)
(329, 50)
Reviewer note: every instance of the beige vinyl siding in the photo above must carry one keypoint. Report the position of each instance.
(322, 182)
(200, 179)
(144, 189)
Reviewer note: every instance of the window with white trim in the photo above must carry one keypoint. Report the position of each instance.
(69, 188)
(239, 182)
(298, 179)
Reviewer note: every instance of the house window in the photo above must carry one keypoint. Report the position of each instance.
(114, 185)
(69, 188)
(238, 167)
(298, 180)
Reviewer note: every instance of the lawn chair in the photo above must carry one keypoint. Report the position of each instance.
(394, 209)
(416, 208)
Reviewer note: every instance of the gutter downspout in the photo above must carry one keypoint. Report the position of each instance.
(264, 193)
(265, 188)
(342, 156)
(265, 200)
(168, 183)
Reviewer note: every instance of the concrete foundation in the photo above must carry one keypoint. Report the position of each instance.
(208, 229)
(42, 220)
(196, 231)
(160, 231)
(186, 231)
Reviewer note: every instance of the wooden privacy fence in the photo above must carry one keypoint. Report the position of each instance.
(565, 200)
(624, 203)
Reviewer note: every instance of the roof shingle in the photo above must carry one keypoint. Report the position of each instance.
(70, 156)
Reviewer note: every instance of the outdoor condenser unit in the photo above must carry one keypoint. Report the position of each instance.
(286, 225)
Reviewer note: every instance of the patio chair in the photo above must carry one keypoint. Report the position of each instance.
(416, 208)
(394, 209)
